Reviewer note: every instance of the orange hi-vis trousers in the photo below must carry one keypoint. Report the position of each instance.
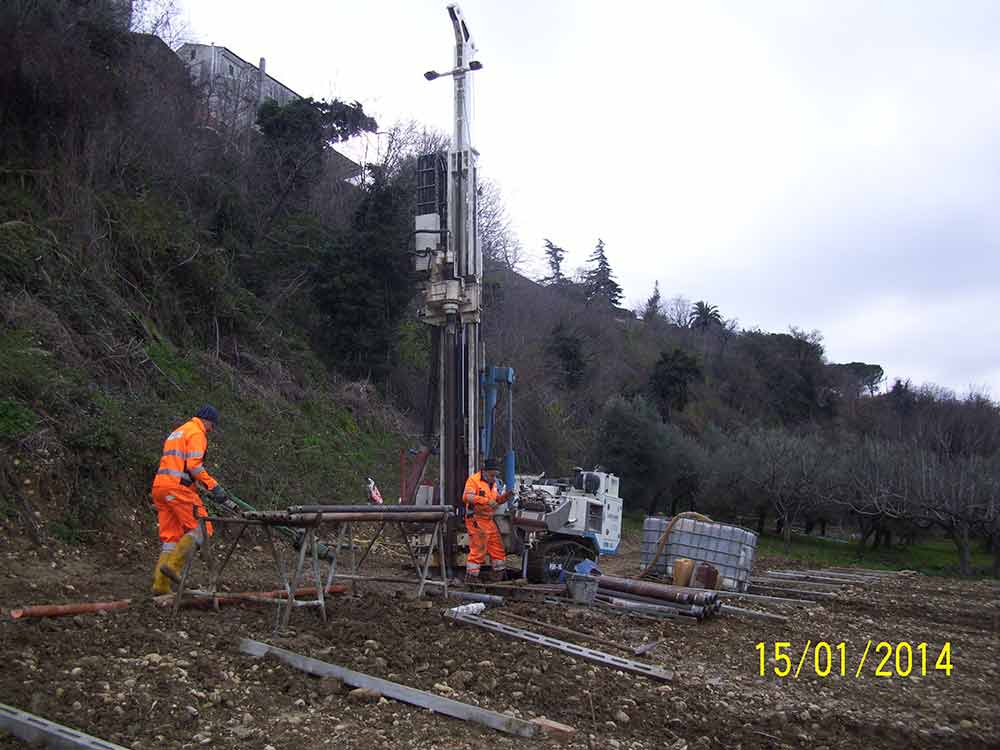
(484, 538)
(178, 509)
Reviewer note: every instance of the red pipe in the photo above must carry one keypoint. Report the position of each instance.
(82, 608)
(61, 610)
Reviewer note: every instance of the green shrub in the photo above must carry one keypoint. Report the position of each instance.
(15, 420)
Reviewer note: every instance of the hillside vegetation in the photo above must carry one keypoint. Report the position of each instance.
(141, 275)
(153, 258)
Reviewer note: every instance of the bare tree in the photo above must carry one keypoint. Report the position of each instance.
(499, 241)
(677, 311)
(789, 470)
(160, 18)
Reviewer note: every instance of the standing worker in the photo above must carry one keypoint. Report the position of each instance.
(178, 506)
(481, 499)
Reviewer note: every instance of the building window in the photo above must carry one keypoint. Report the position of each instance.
(192, 54)
(231, 72)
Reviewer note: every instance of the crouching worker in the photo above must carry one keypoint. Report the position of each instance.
(481, 499)
(178, 505)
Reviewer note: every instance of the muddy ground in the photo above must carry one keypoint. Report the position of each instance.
(134, 678)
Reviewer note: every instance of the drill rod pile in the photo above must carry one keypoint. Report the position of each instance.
(675, 594)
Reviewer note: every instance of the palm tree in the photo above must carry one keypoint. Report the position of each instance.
(704, 315)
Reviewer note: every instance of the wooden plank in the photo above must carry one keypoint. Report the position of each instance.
(436, 703)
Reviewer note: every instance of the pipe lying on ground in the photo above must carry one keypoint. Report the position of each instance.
(693, 610)
(729, 609)
(761, 598)
(653, 609)
(800, 592)
(62, 610)
(679, 594)
(811, 578)
(83, 608)
(632, 609)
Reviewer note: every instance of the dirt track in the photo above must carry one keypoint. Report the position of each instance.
(131, 678)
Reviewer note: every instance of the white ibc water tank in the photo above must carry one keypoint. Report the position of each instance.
(731, 549)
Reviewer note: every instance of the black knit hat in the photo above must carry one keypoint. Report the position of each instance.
(209, 413)
(491, 464)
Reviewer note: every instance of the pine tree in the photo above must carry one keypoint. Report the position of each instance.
(652, 312)
(554, 255)
(600, 281)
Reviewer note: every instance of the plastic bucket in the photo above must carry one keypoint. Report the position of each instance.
(582, 588)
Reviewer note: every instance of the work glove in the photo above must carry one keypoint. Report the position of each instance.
(217, 493)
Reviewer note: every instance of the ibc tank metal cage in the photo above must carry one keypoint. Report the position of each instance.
(731, 549)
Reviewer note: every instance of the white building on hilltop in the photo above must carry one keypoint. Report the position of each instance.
(233, 88)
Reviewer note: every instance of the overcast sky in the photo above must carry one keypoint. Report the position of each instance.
(832, 166)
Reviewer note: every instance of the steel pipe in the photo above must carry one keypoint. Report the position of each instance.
(678, 594)
(695, 610)
(753, 614)
(298, 509)
(308, 519)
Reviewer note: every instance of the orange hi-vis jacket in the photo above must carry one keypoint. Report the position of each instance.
(183, 453)
(477, 496)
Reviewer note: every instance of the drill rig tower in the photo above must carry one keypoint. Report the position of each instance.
(449, 258)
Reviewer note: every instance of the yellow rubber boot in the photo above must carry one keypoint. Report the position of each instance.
(161, 585)
(175, 562)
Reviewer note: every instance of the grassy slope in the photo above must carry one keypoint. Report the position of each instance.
(934, 557)
(90, 385)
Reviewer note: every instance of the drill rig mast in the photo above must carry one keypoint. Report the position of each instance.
(451, 261)
(560, 521)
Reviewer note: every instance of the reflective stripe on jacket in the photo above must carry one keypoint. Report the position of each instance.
(477, 495)
(183, 453)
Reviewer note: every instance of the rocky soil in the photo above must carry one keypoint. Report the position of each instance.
(137, 679)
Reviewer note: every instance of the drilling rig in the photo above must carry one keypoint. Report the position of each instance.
(553, 524)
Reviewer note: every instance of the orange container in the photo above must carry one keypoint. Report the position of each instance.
(682, 571)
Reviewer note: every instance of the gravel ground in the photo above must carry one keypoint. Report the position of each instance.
(134, 678)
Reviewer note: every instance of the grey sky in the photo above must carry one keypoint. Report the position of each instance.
(832, 166)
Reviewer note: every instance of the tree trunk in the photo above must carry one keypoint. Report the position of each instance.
(654, 503)
(761, 520)
(996, 553)
(960, 535)
(787, 533)
(866, 531)
(822, 527)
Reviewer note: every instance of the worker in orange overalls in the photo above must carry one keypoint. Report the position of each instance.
(481, 497)
(177, 504)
